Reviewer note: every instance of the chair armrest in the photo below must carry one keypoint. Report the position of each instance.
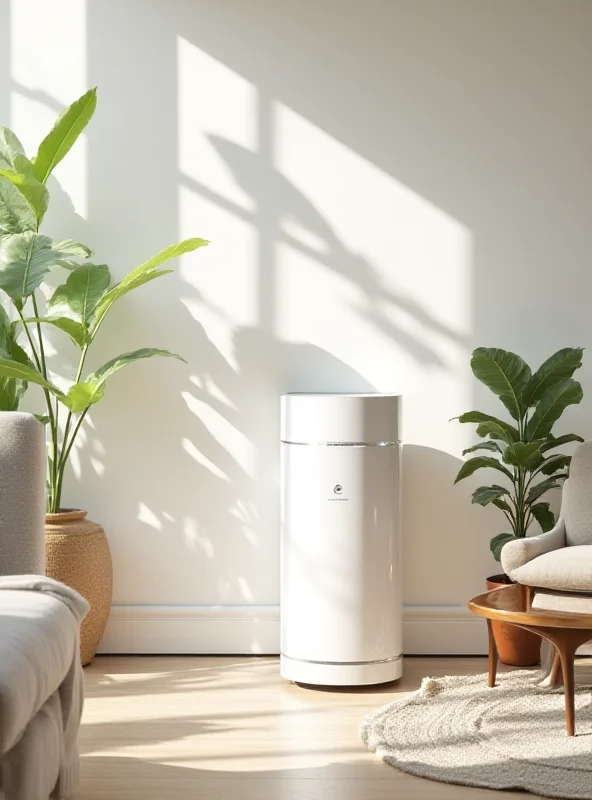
(520, 551)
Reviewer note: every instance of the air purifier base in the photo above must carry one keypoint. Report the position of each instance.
(341, 674)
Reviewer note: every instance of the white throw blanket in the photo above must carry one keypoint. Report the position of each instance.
(41, 687)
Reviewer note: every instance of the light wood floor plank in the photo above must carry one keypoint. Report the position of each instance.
(230, 727)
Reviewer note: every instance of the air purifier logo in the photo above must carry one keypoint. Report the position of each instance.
(338, 493)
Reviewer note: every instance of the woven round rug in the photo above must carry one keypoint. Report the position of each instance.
(458, 730)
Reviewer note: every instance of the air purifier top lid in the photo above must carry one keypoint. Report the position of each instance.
(340, 418)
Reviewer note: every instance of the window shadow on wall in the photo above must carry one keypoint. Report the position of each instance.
(185, 511)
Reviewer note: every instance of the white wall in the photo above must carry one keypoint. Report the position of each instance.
(386, 185)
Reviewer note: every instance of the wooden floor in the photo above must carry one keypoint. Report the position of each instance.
(166, 728)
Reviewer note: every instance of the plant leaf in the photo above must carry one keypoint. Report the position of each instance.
(539, 489)
(16, 215)
(523, 454)
(544, 516)
(6, 329)
(75, 330)
(84, 394)
(493, 446)
(78, 298)
(558, 367)
(551, 406)
(68, 247)
(16, 168)
(12, 153)
(505, 373)
(479, 417)
(67, 128)
(9, 348)
(8, 395)
(495, 431)
(25, 258)
(125, 359)
(141, 275)
(557, 442)
(67, 263)
(35, 193)
(497, 543)
(501, 504)
(553, 463)
(480, 462)
(487, 494)
(24, 372)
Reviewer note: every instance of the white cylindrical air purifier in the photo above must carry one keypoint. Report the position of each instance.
(341, 600)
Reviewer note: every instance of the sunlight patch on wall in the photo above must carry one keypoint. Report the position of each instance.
(46, 78)
(196, 539)
(386, 285)
(195, 453)
(212, 99)
(223, 436)
(148, 517)
(221, 278)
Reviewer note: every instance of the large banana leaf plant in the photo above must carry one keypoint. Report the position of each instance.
(77, 308)
(520, 450)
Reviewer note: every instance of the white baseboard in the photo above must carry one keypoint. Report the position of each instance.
(233, 630)
(443, 630)
(192, 630)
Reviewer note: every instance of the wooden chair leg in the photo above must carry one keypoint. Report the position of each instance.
(492, 655)
(528, 597)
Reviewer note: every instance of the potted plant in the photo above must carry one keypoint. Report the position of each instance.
(524, 452)
(77, 549)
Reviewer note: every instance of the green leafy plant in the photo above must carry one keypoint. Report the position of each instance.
(78, 307)
(520, 449)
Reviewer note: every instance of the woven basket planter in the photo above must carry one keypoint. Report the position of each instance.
(77, 554)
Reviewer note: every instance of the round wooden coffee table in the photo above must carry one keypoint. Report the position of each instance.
(565, 631)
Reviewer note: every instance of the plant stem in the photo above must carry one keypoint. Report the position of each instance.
(66, 448)
(41, 366)
(69, 417)
(521, 503)
(65, 451)
(54, 417)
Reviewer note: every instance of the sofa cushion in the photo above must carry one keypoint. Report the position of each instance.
(38, 637)
(567, 569)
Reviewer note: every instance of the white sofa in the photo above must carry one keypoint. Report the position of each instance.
(41, 688)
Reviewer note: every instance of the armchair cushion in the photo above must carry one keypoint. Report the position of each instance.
(519, 552)
(568, 569)
(570, 603)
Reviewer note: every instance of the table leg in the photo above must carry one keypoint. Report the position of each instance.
(492, 655)
(555, 676)
(566, 641)
(567, 667)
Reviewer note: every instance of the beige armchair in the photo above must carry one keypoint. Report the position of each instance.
(558, 564)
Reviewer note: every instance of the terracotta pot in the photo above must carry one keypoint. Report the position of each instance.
(515, 646)
(77, 554)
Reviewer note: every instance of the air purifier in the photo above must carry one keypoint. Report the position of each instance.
(341, 600)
